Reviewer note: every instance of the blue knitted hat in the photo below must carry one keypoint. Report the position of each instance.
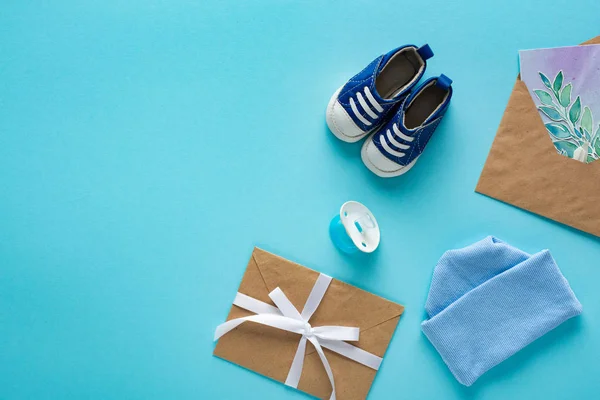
(489, 300)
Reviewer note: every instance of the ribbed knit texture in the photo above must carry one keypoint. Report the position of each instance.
(489, 300)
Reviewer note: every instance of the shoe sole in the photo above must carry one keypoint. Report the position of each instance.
(334, 129)
(377, 171)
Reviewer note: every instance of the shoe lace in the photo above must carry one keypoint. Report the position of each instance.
(373, 113)
(389, 137)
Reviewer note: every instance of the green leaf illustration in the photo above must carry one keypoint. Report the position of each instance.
(575, 111)
(587, 135)
(579, 133)
(558, 81)
(597, 144)
(558, 130)
(590, 158)
(586, 119)
(544, 96)
(551, 113)
(568, 147)
(545, 80)
(565, 95)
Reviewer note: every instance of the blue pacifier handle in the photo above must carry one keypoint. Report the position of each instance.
(340, 237)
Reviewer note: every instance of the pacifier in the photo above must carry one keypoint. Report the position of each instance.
(354, 229)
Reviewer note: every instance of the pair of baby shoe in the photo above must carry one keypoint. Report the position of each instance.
(380, 101)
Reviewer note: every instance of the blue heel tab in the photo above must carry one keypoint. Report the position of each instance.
(425, 52)
(443, 81)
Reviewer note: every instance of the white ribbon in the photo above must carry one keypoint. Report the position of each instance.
(286, 317)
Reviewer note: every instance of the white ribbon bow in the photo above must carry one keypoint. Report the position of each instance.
(286, 317)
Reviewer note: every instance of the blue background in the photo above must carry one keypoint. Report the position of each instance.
(147, 146)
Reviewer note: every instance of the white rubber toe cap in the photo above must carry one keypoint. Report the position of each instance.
(341, 124)
(379, 164)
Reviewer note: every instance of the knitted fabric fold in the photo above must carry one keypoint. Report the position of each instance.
(489, 300)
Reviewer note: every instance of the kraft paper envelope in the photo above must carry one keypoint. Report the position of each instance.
(525, 170)
(270, 351)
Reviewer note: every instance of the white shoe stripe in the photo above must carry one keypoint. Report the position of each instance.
(374, 102)
(357, 114)
(365, 106)
(393, 141)
(387, 148)
(402, 135)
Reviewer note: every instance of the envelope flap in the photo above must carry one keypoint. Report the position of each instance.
(343, 304)
(253, 283)
(347, 305)
(293, 279)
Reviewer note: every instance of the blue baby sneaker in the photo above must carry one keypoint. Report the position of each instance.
(362, 104)
(395, 148)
